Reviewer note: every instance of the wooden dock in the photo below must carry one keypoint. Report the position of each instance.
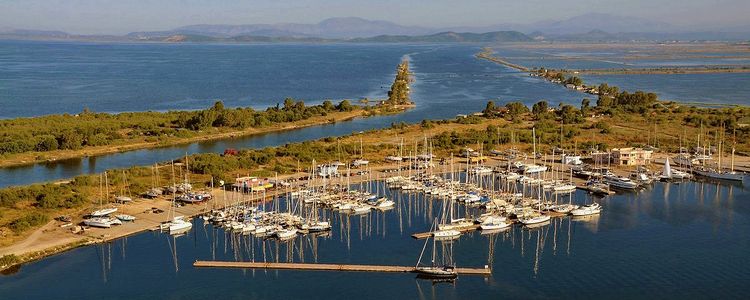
(328, 267)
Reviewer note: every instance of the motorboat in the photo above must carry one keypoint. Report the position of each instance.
(619, 182)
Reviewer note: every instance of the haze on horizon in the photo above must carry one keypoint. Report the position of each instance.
(120, 17)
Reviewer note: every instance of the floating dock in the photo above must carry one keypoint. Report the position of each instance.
(486, 271)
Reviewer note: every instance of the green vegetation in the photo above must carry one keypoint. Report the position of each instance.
(30, 220)
(9, 259)
(399, 93)
(88, 129)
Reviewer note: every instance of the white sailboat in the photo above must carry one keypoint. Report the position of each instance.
(177, 224)
(445, 270)
(103, 211)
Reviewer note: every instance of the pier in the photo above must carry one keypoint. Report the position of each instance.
(486, 271)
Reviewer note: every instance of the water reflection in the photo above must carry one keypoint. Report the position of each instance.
(685, 236)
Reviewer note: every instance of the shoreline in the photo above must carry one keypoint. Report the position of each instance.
(32, 158)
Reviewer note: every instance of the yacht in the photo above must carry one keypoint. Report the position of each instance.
(620, 182)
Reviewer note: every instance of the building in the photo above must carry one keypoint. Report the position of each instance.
(631, 156)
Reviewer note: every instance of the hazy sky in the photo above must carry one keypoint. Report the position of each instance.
(122, 16)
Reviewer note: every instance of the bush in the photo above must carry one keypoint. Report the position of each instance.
(9, 259)
(28, 221)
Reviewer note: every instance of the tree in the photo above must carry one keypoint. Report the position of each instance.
(46, 143)
(585, 103)
(515, 109)
(574, 81)
(540, 108)
(344, 105)
(328, 105)
(288, 104)
(489, 110)
(218, 106)
(70, 140)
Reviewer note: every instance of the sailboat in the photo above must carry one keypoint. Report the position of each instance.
(124, 192)
(668, 174)
(494, 223)
(718, 172)
(177, 224)
(445, 270)
(591, 209)
(361, 161)
(103, 211)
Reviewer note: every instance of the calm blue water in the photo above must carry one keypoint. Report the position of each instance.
(732, 88)
(674, 241)
(449, 81)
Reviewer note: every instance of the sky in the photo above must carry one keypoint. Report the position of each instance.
(123, 16)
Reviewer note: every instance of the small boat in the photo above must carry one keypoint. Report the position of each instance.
(317, 226)
(667, 174)
(446, 234)
(284, 234)
(101, 222)
(360, 209)
(528, 220)
(591, 209)
(178, 224)
(564, 188)
(125, 218)
(437, 272)
(103, 212)
(564, 208)
(123, 199)
(641, 178)
(494, 223)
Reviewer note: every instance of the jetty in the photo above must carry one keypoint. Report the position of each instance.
(486, 271)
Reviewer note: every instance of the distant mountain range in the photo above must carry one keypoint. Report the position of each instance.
(588, 27)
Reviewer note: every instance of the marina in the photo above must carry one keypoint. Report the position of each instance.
(444, 177)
